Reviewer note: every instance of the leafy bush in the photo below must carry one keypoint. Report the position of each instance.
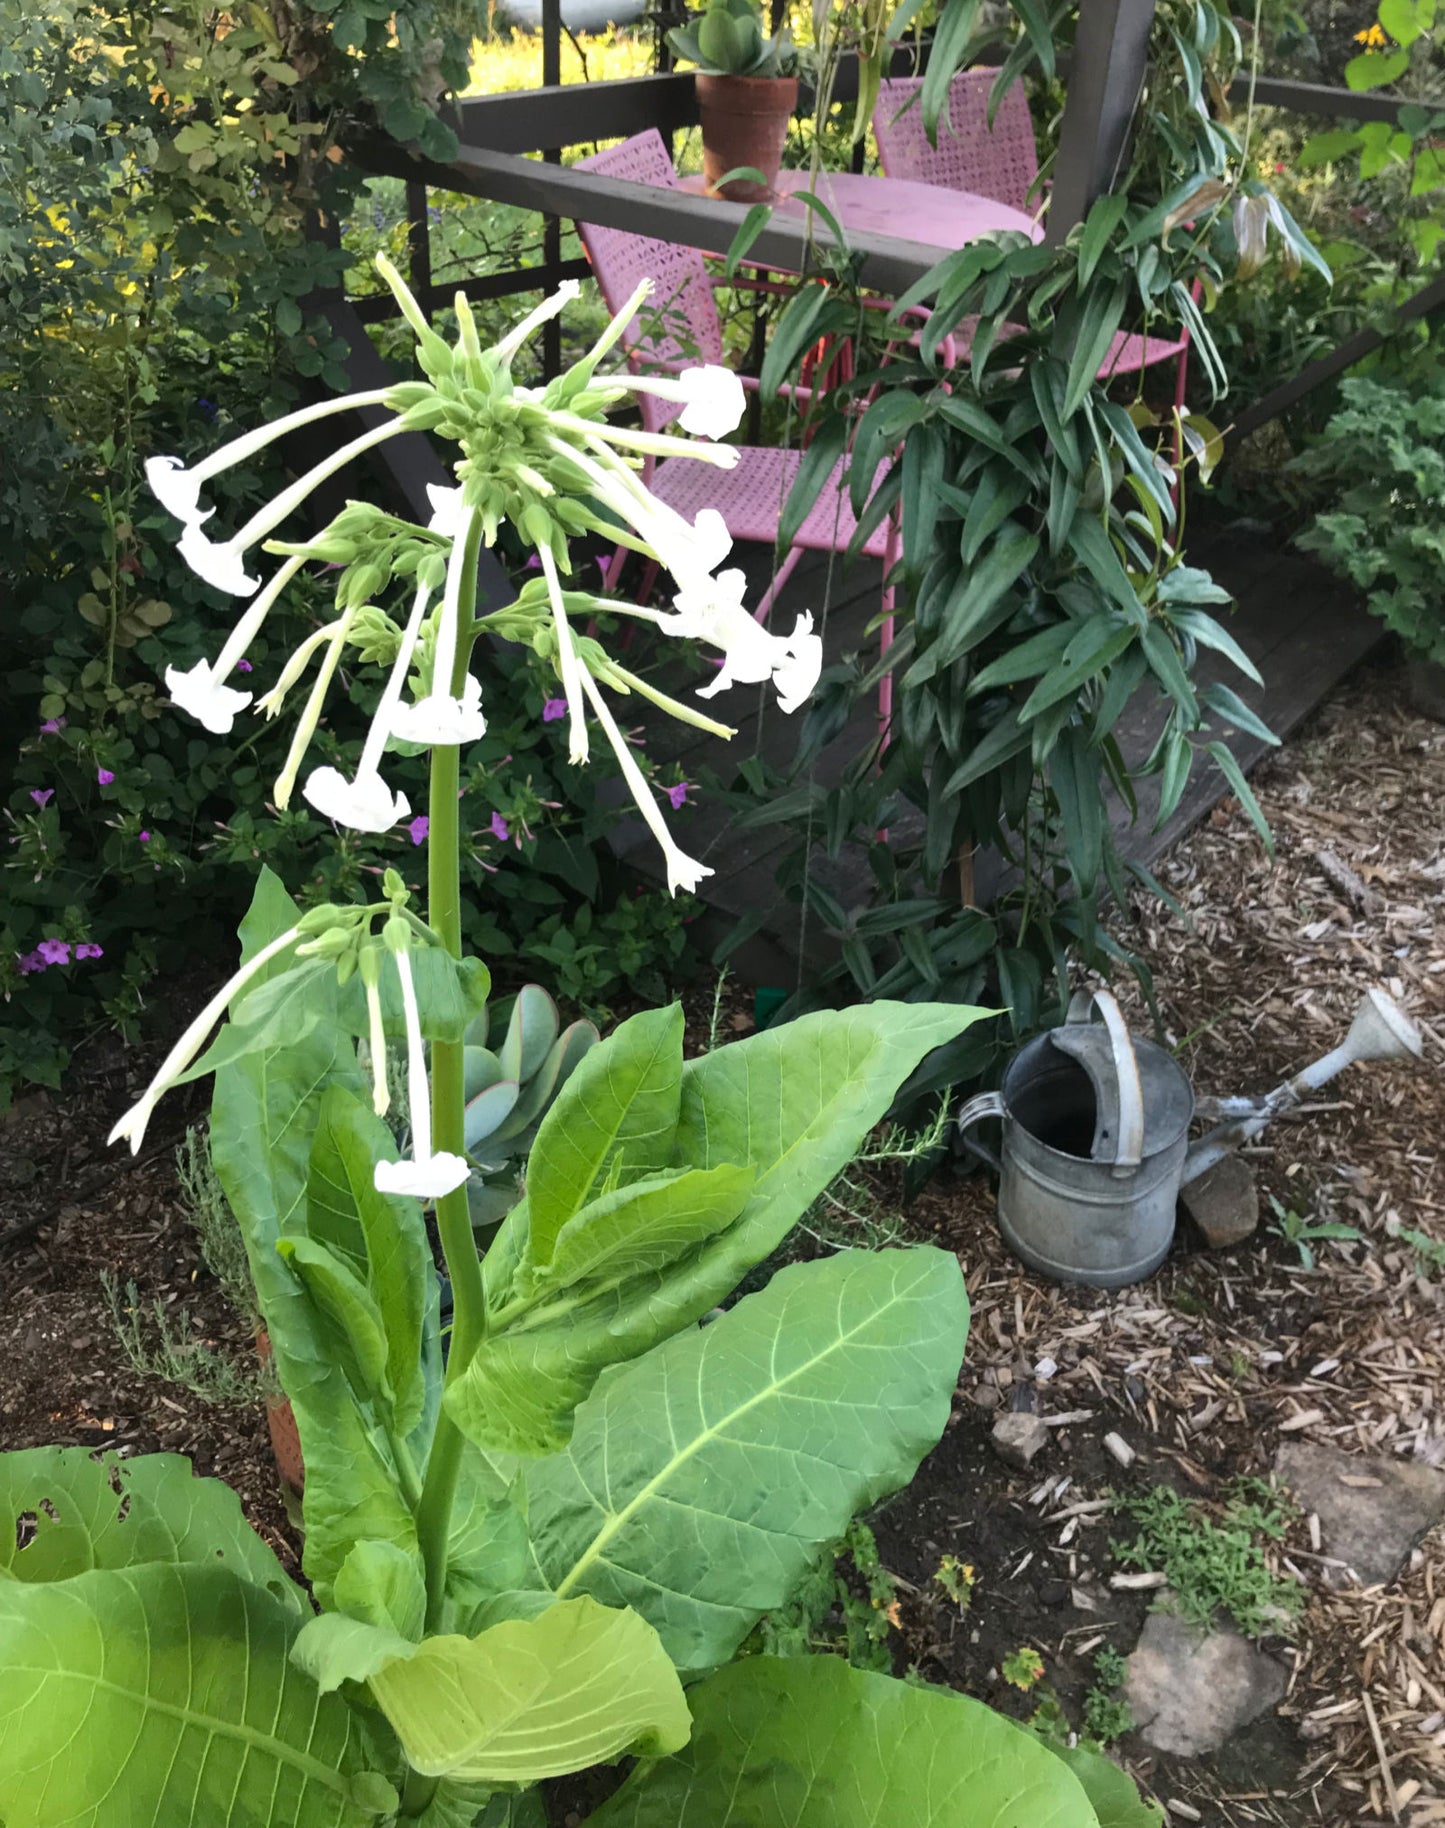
(1383, 452)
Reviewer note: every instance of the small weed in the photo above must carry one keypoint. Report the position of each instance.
(846, 1607)
(1429, 1252)
(1239, 1366)
(215, 1224)
(1106, 1717)
(1215, 1566)
(957, 1580)
(1303, 1233)
(159, 1342)
(1022, 1668)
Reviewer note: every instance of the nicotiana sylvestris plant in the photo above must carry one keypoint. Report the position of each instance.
(539, 1550)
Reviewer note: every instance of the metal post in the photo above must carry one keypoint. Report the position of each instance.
(552, 228)
(1106, 77)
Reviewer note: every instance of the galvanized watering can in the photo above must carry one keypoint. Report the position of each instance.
(1096, 1136)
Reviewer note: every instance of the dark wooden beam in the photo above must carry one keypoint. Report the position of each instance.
(1106, 77)
(1315, 374)
(1318, 98)
(887, 262)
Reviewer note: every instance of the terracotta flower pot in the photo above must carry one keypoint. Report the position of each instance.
(744, 122)
(281, 1425)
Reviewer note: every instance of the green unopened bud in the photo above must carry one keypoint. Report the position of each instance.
(427, 415)
(393, 887)
(318, 919)
(431, 571)
(359, 583)
(396, 935)
(406, 394)
(330, 944)
(345, 966)
(467, 339)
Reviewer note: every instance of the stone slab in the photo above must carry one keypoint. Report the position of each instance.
(1372, 1510)
(1190, 1690)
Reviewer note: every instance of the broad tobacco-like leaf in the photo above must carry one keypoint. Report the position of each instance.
(808, 1742)
(264, 1119)
(789, 1105)
(577, 1685)
(65, 1511)
(703, 1480)
(165, 1693)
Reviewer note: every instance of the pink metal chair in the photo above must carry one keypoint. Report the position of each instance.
(999, 161)
(749, 497)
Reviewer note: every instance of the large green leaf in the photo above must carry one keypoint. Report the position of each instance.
(161, 1695)
(533, 1698)
(790, 1105)
(264, 1118)
(1112, 1792)
(702, 1481)
(807, 1742)
(620, 1104)
(65, 1510)
(382, 1237)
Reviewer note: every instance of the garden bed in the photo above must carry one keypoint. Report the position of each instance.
(1202, 1371)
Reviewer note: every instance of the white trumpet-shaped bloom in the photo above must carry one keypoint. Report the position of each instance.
(221, 565)
(568, 664)
(132, 1127)
(200, 694)
(566, 294)
(712, 611)
(367, 803)
(683, 872)
(689, 551)
(425, 1176)
(712, 398)
(448, 512)
(441, 719)
(178, 488)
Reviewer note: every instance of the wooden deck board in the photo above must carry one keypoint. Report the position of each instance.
(1301, 627)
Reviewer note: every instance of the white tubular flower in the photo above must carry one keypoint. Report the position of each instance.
(222, 565)
(689, 552)
(569, 290)
(600, 433)
(367, 803)
(440, 719)
(311, 715)
(567, 663)
(683, 872)
(202, 691)
(132, 1127)
(368, 966)
(201, 695)
(713, 611)
(178, 489)
(713, 397)
(448, 515)
(425, 1176)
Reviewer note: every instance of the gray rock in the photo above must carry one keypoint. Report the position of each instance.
(1223, 1202)
(1017, 1438)
(1188, 1690)
(1372, 1511)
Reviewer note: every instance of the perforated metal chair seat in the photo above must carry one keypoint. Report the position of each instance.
(750, 499)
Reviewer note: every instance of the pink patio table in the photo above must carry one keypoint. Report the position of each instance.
(867, 204)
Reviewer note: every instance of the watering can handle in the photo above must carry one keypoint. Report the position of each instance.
(1126, 1068)
(977, 1110)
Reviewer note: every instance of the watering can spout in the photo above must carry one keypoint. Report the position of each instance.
(1380, 1031)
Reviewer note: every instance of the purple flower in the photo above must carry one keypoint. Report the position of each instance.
(104, 776)
(54, 951)
(419, 828)
(52, 726)
(145, 838)
(28, 962)
(206, 408)
(677, 795)
(42, 796)
(500, 828)
(88, 949)
(533, 564)
(243, 666)
(553, 709)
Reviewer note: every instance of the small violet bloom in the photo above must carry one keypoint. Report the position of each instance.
(42, 796)
(54, 951)
(52, 726)
(418, 829)
(677, 795)
(104, 776)
(553, 709)
(144, 837)
(243, 666)
(88, 949)
(28, 962)
(500, 828)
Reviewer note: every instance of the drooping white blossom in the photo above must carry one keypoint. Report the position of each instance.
(425, 1176)
(713, 611)
(200, 694)
(713, 397)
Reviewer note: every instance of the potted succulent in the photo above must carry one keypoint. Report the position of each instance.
(746, 94)
(1385, 450)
